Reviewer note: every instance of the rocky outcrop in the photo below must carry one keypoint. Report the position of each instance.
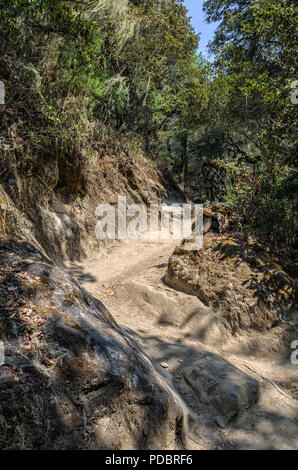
(221, 385)
(246, 287)
(72, 378)
(174, 308)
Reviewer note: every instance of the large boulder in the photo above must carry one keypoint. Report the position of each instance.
(214, 221)
(72, 379)
(223, 386)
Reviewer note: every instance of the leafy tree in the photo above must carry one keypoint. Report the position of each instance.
(254, 47)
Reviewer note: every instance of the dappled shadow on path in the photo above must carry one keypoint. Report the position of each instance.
(80, 273)
(264, 426)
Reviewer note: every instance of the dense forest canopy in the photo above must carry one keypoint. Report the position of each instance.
(78, 72)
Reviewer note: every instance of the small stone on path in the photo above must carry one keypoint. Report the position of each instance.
(165, 365)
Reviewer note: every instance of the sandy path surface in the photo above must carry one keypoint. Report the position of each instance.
(269, 424)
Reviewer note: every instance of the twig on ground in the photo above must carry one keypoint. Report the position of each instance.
(197, 442)
(56, 362)
(270, 381)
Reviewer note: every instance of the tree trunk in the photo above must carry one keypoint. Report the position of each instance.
(184, 140)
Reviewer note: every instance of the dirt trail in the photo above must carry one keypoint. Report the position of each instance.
(129, 278)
